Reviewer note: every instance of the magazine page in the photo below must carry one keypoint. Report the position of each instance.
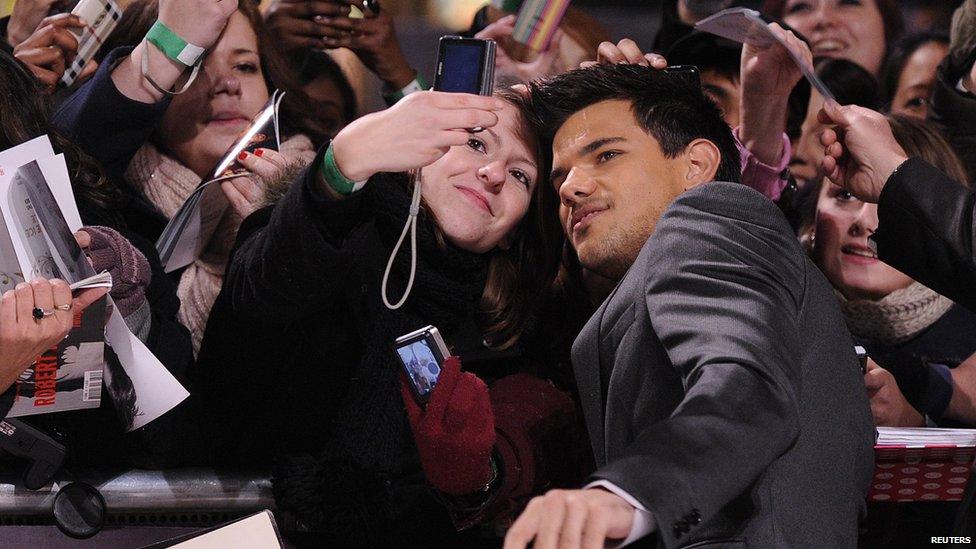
(189, 231)
(68, 376)
(130, 367)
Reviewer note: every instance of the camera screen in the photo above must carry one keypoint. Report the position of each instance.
(462, 68)
(421, 365)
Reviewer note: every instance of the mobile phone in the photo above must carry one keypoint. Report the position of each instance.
(862, 358)
(686, 72)
(422, 355)
(465, 65)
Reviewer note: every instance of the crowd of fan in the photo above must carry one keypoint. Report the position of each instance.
(278, 329)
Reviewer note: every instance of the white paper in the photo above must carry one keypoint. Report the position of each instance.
(157, 391)
(746, 26)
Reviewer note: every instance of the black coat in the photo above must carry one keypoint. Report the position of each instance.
(926, 230)
(298, 363)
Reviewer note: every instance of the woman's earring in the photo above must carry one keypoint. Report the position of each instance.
(809, 241)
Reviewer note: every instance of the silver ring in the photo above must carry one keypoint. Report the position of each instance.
(65, 307)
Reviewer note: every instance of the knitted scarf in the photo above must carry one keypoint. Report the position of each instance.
(166, 183)
(898, 317)
(348, 490)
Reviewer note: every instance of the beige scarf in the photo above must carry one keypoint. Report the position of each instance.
(898, 317)
(166, 183)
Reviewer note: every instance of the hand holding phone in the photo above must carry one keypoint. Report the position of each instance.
(422, 354)
(465, 65)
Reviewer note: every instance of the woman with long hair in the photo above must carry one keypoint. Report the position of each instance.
(144, 295)
(298, 365)
(157, 145)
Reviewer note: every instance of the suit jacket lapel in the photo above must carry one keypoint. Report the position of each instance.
(586, 365)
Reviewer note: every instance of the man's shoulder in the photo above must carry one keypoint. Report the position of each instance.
(732, 200)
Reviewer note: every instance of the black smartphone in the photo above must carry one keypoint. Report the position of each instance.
(687, 72)
(465, 65)
(422, 355)
(862, 358)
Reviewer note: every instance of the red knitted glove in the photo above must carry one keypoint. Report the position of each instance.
(131, 274)
(456, 433)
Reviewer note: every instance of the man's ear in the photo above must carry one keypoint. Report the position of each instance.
(702, 161)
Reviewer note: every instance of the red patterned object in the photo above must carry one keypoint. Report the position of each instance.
(923, 472)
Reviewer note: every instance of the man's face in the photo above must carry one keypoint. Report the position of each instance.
(614, 182)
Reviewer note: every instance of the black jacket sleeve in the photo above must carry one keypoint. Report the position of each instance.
(955, 112)
(277, 271)
(106, 124)
(925, 230)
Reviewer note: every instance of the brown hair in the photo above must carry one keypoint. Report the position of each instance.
(26, 114)
(919, 139)
(894, 23)
(140, 15)
(519, 276)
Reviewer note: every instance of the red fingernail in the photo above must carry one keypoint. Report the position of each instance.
(242, 156)
(259, 152)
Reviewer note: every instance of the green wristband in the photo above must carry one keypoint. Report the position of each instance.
(418, 84)
(173, 46)
(339, 183)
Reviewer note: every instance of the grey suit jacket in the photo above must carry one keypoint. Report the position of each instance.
(720, 387)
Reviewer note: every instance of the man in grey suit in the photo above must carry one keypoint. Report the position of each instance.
(721, 392)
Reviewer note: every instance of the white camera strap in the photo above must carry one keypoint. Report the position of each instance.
(411, 226)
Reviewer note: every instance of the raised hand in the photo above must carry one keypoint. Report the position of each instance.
(373, 39)
(626, 52)
(414, 133)
(26, 17)
(298, 25)
(506, 67)
(51, 48)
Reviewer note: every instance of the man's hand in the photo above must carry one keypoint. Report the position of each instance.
(860, 153)
(625, 52)
(888, 404)
(506, 67)
(26, 17)
(51, 48)
(571, 519)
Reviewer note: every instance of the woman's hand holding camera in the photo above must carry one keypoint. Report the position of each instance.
(414, 133)
(24, 336)
(455, 434)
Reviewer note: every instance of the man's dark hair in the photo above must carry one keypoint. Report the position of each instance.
(669, 106)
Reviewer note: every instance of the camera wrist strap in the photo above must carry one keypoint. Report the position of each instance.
(411, 226)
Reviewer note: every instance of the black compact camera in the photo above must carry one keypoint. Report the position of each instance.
(465, 65)
(422, 354)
